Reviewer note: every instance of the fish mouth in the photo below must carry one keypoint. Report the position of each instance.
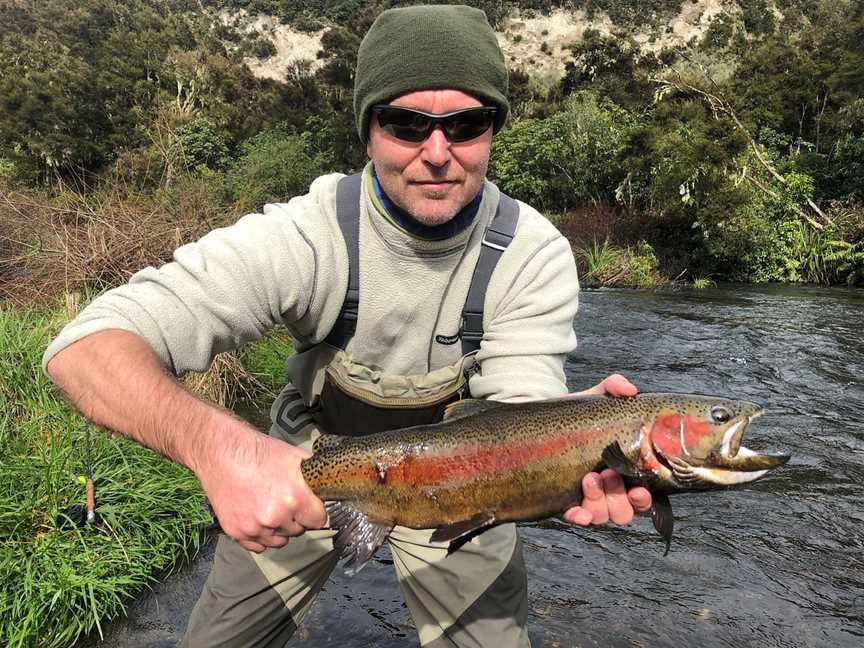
(734, 435)
(735, 457)
(747, 466)
(734, 464)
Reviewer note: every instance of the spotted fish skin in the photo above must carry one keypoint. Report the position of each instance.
(497, 462)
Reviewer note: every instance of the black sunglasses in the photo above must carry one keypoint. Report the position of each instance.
(415, 125)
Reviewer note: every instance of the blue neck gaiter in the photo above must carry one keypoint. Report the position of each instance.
(428, 232)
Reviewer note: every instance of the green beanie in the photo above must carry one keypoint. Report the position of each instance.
(428, 47)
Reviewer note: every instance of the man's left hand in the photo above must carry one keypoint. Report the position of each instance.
(604, 496)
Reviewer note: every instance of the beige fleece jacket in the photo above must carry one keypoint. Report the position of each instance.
(288, 265)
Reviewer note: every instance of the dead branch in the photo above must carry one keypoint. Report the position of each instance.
(769, 191)
(720, 106)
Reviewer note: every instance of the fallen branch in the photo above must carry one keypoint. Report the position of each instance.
(768, 190)
(720, 106)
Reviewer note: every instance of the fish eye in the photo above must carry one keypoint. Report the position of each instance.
(720, 414)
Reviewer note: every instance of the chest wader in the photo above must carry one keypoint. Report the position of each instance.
(475, 597)
(349, 399)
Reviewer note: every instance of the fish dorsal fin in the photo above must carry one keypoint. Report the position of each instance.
(357, 537)
(661, 515)
(460, 532)
(614, 458)
(469, 406)
(327, 442)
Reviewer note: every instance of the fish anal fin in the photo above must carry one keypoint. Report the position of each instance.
(614, 457)
(459, 533)
(469, 406)
(357, 536)
(661, 516)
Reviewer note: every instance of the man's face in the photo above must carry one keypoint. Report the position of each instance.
(433, 179)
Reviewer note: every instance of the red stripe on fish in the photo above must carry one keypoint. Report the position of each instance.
(468, 462)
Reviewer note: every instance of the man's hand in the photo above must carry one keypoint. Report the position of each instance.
(253, 481)
(604, 497)
(257, 490)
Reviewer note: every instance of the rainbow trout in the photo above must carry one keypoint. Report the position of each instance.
(489, 462)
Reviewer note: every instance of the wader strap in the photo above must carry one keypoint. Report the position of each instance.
(348, 216)
(495, 240)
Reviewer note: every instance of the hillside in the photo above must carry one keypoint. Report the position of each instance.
(535, 42)
(722, 138)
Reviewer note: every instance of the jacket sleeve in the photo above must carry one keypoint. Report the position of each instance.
(224, 290)
(528, 323)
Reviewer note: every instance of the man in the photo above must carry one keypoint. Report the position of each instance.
(430, 90)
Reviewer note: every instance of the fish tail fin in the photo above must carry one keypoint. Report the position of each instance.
(357, 537)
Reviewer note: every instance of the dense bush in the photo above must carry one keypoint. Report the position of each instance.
(567, 159)
(81, 82)
(275, 166)
(204, 143)
(152, 96)
(848, 166)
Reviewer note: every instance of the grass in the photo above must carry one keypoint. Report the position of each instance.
(701, 283)
(265, 363)
(59, 583)
(609, 265)
(69, 240)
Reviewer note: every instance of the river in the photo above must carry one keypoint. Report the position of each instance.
(779, 564)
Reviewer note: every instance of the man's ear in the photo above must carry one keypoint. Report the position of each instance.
(369, 141)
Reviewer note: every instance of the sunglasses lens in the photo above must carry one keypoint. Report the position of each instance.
(468, 125)
(404, 124)
(413, 126)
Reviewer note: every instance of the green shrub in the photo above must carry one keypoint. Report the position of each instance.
(848, 160)
(643, 265)
(204, 143)
(748, 236)
(701, 283)
(275, 166)
(567, 159)
(826, 258)
(7, 169)
(260, 48)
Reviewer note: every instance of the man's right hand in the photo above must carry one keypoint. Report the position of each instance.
(257, 490)
(254, 481)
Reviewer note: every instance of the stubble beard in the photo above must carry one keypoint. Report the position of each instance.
(430, 210)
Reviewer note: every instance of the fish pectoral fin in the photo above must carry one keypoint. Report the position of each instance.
(613, 456)
(459, 533)
(661, 515)
(469, 406)
(357, 537)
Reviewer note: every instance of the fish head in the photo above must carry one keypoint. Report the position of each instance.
(694, 442)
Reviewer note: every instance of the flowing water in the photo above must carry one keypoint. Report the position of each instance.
(780, 563)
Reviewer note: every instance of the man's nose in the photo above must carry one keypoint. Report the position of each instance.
(436, 148)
